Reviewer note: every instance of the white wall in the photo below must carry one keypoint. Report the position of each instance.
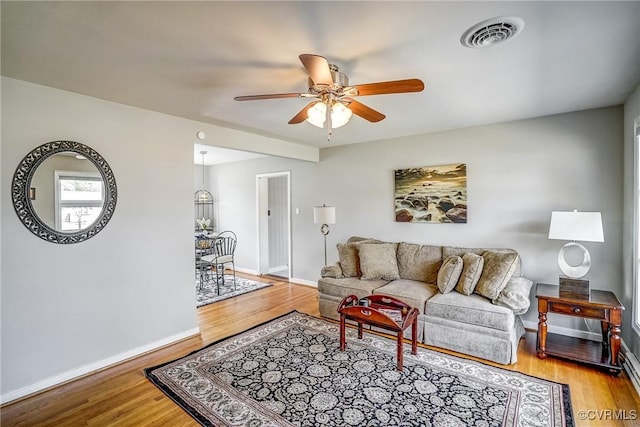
(518, 172)
(631, 113)
(70, 309)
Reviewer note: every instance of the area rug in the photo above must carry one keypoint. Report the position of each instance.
(290, 372)
(208, 293)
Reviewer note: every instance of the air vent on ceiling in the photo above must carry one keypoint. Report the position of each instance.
(492, 31)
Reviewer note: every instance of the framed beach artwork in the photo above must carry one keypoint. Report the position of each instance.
(431, 194)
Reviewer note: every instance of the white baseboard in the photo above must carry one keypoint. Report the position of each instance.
(95, 366)
(303, 282)
(291, 279)
(587, 335)
(631, 366)
(247, 270)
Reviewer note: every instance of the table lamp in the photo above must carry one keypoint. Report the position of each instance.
(324, 215)
(574, 226)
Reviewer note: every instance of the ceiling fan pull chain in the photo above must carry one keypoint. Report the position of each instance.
(328, 118)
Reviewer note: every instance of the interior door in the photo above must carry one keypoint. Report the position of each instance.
(274, 222)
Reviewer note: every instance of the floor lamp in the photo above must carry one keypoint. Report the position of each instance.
(324, 215)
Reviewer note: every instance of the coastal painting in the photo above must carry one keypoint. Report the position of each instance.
(431, 194)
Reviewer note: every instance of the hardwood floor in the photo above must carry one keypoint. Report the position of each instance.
(121, 395)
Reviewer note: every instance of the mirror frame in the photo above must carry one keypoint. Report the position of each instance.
(22, 181)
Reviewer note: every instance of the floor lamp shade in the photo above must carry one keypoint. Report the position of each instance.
(583, 226)
(324, 215)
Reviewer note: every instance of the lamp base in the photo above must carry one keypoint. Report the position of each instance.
(574, 288)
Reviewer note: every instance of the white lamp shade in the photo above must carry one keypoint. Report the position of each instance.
(583, 226)
(324, 215)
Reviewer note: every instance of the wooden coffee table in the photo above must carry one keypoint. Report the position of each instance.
(384, 312)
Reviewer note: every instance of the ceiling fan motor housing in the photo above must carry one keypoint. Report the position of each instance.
(340, 80)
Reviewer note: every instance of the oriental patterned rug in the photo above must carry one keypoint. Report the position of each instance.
(290, 372)
(208, 292)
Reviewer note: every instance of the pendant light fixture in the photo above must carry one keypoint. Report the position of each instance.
(202, 195)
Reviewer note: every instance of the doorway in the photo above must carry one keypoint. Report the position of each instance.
(274, 224)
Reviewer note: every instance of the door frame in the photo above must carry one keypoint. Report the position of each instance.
(262, 225)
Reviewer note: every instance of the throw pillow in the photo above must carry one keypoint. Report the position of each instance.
(349, 260)
(333, 271)
(378, 261)
(449, 274)
(419, 262)
(496, 272)
(515, 295)
(471, 271)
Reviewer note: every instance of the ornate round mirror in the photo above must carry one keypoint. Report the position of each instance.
(64, 192)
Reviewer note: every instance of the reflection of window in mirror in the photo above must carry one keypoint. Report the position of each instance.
(46, 204)
(79, 198)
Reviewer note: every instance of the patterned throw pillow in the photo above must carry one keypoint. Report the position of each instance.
(378, 261)
(471, 271)
(449, 274)
(498, 269)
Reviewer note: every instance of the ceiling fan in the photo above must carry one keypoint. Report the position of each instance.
(334, 97)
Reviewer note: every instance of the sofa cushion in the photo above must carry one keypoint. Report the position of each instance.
(413, 292)
(473, 309)
(515, 295)
(449, 274)
(419, 262)
(378, 261)
(471, 271)
(452, 250)
(349, 258)
(347, 286)
(496, 272)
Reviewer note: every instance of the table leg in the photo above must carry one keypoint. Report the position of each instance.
(414, 336)
(400, 358)
(614, 343)
(542, 335)
(360, 328)
(343, 340)
(605, 332)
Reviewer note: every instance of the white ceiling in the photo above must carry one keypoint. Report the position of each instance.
(190, 59)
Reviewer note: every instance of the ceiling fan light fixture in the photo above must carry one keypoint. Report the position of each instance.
(316, 114)
(340, 114)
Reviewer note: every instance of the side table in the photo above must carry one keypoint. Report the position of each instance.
(601, 305)
(377, 312)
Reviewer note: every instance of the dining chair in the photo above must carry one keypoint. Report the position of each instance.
(224, 247)
(204, 247)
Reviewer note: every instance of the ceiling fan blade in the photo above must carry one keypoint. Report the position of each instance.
(302, 114)
(269, 96)
(363, 111)
(318, 68)
(395, 86)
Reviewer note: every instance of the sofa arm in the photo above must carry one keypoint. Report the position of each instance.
(516, 295)
(334, 271)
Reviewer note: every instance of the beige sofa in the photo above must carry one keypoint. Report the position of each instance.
(469, 299)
